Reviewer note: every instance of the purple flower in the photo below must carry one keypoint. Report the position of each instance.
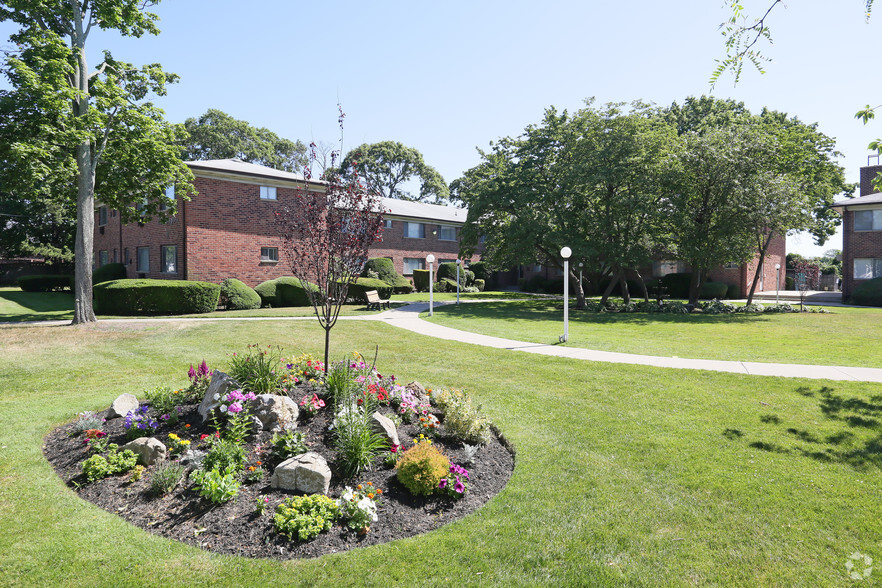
(191, 373)
(164, 417)
(443, 483)
(289, 366)
(458, 487)
(235, 408)
(203, 369)
(249, 396)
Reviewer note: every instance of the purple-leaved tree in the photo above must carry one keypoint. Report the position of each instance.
(807, 277)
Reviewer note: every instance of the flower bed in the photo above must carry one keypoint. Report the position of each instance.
(225, 503)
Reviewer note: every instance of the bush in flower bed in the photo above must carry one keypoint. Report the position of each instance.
(677, 307)
(220, 469)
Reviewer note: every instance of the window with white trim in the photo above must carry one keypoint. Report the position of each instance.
(269, 254)
(268, 193)
(447, 233)
(102, 216)
(415, 230)
(143, 265)
(168, 259)
(867, 268)
(169, 199)
(413, 263)
(868, 220)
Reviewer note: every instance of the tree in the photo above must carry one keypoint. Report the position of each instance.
(86, 133)
(388, 165)
(217, 135)
(807, 276)
(327, 232)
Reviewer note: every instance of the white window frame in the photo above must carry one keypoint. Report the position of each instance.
(142, 268)
(412, 263)
(448, 228)
(875, 220)
(268, 193)
(871, 268)
(169, 197)
(387, 224)
(164, 266)
(421, 230)
(269, 255)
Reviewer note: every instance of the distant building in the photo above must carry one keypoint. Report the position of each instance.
(861, 233)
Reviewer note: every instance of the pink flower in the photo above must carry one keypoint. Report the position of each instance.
(443, 483)
(459, 487)
(235, 408)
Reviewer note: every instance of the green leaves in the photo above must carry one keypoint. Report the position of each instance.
(388, 165)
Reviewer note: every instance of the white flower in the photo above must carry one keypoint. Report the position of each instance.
(368, 507)
(223, 408)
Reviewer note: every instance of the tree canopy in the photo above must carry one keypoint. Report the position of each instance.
(388, 166)
(85, 133)
(217, 135)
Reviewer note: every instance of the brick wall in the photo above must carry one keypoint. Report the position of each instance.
(117, 239)
(396, 246)
(856, 245)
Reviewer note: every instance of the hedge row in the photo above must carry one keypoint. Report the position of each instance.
(45, 283)
(286, 291)
(385, 270)
(134, 297)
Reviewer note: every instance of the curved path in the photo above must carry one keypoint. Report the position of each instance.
(407, 317)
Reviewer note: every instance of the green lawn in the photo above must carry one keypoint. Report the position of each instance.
(451, 296)
(846, 336)
(625, 475)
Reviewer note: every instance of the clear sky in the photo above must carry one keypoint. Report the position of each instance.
(449, 77)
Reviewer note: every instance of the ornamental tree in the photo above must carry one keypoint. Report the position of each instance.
(327, 231)
(85, 133)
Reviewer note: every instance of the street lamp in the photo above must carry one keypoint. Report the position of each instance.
(431, 259)
(565, 253)
(777, 280)
(458, 263)
(580, 275)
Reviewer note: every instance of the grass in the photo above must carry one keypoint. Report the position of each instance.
(451, 296)
(625, 475)
(18, 306)
(841, 337)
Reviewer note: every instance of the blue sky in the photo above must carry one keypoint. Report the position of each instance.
(448, 77)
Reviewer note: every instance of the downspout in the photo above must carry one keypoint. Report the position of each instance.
(184, 238)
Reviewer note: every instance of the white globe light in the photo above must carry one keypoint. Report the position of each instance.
(430, 258)
(566, 252)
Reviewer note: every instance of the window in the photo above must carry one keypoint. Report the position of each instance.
(143, 265)
(267, 192)
(731, 265)
(125, 258)
(413, 263)
(663, 268)
(168, 259)
(387, 224)
(102, 258)
(102, 216)
(537, 267)
(269, 254)
(415, 230)
(867, 269)
(169, 197)
(868, 220)
(447, 233)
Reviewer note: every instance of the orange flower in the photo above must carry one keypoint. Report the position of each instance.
(370, 483)
(370, 495)
(187, 426)
(250, 468)
(358, 487)
(379, 491)
(260, 463)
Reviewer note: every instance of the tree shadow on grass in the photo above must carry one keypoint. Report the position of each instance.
(40, 305)
(858, 444)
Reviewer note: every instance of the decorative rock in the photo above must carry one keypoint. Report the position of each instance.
(275, 412)
(417, 390)
(149, 450)
(384, 425)
(124, 404)
(192, 457)
(221, 384)
(307, 473)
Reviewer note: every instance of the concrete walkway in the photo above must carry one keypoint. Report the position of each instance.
(407, 317)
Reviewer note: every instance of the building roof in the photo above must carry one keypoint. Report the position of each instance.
(875, 198)
(239, 167)
(420, 210)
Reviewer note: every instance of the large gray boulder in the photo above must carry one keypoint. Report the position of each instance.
(274, 412)
(308, 473)
(124, 404)
(149, 450)
(221, 384)
(384, 426)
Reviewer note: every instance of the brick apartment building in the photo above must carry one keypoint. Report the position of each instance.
(228, 229)
(861, 233)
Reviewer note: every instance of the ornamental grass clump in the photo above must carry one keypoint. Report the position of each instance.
(302, 518)
(421, 468)
(87, 420)
(165, 477)
(462, 420)
(258, 370)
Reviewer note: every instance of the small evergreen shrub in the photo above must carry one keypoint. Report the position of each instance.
(448, 285)
(357, 290)
(463, 421)
(268, 294)
(868, 293)
(421, 468)
(713, 290)
(385, 270)
(479, 284)
(135, 297)
(481, 270)
(236, 295)
(421, 280)
(302, 518)
(45, 283)
(733, 291)
(447, 270)
(165, 477)
(292, 292)
(116, 462)
(789, 284)
(110, 271)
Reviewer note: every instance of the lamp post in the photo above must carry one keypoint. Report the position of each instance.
(458, 263)
(431, 259)
(580, 275)
(565, 253)
(777, 280)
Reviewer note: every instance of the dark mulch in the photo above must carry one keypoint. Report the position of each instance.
(236, 528)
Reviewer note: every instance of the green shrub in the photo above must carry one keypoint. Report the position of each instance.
(268, 294)
(421, 468)
(164, 400)
(215, 485)
(713, 290)
(385, 271)
(421, 280)
(677, 284)
(480, 269)
(733, 291)
(45, 283)
(284, 291)
(868, 293)
(718, 307)
(236, 295)
(479, 284)
(98, 466)
(789, 284)
(447, 285)
(287, 444)
(224, 454)
(447, 270)
(534, 284)
(362, 285)
(134, 297)
(258, 370)
(462, 420)
(302, 518)
(165, 477)
(107, 272)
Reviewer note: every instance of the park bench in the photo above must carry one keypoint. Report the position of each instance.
(374, 300)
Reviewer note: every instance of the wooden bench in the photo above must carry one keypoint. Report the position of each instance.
(375, 302)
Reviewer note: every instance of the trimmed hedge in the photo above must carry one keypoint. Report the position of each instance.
(481, 270)
(713, 290)
(107, 272)
(386, 271)
(362, 285)
(135, 297)
(236, 295)
(789, 284)
(677, 284)
(421, 280)
(45, 283)
(285, 291)
(733, 291)
(869, 293)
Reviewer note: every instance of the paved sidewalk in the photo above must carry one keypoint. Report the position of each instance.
(407, 317)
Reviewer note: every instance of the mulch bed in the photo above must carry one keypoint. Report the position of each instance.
(236, 528)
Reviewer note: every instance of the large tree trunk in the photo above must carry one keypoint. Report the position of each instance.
(698, 278)
(83, 312)
(623, 284)
(609, 289)
(759, 267)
